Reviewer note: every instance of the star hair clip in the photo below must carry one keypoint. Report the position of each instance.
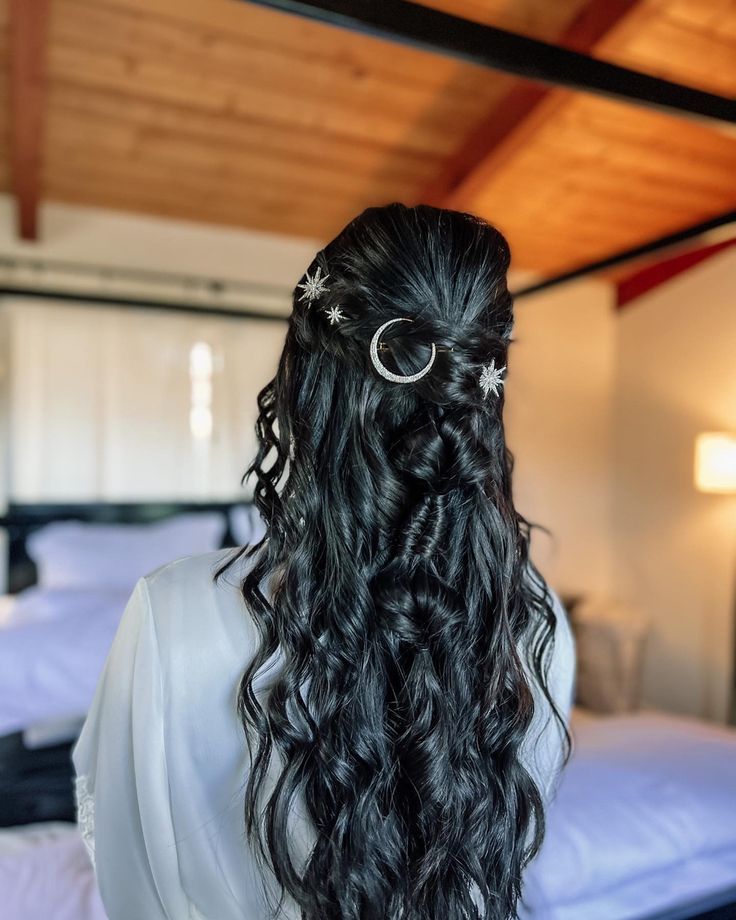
(314, 287)
(491, 379)
(334, 314)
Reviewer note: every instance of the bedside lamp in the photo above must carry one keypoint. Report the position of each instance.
(715, 462)
(715, 471)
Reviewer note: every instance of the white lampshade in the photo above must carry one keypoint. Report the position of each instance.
(715, 462)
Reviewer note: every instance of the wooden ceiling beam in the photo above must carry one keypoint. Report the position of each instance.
(28, 25)
(512, 122)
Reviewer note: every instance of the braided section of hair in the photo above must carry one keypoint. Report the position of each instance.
(393, 584)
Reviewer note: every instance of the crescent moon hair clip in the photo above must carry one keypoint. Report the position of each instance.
(383, 370)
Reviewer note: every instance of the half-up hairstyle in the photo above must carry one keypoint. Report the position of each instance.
(394, 587)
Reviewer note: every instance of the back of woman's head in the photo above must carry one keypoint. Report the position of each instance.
(399, 591)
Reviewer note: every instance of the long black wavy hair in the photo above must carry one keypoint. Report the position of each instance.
(393, 587)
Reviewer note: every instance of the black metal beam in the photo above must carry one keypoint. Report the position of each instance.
(580, 271)
(441, 33)
(105, 300)
(46, 288)
(628, 255)
(41, 264)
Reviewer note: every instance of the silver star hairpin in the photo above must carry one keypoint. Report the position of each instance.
(335, 314)
(490, 378)
(313, 287)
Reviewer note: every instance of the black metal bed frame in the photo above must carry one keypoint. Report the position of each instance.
(21, 519)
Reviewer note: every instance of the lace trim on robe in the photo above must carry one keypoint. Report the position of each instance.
(85, 815)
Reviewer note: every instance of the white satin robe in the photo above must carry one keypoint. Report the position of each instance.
(161, 760)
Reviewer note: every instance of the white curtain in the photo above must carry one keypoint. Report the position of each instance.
(118, 404)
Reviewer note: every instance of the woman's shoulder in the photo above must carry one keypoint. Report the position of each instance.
(189, 570)
(196, 616)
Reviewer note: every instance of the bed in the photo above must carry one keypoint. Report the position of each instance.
(642, 829)
(644, 823)
(71, 571)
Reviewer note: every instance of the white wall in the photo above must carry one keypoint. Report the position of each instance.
(603, 408)
(676, 548)
(101, 237)
(558, 416)
(65, 445)
(102, 402)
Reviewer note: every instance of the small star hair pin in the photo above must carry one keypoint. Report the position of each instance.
(335, 314)
(313, 287)
(490, 378)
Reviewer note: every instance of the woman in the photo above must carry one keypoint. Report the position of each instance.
(362, 717)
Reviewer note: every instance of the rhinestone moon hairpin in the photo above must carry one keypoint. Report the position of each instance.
(383, 370)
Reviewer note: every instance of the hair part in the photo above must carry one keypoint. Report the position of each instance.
(394, 584)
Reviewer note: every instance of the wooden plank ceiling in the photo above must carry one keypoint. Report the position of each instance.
(225, 112)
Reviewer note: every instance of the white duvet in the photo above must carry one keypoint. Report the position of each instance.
(53, 643)
(45, 874)
(644, 821)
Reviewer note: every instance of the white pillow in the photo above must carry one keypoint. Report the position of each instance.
(246, 524)
(75, 554)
